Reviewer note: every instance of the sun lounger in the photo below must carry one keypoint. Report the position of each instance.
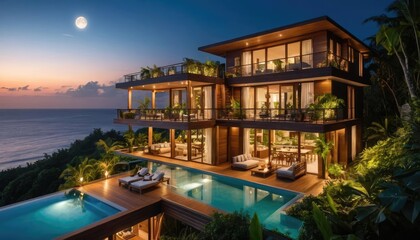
(125, 181)
(141, 185)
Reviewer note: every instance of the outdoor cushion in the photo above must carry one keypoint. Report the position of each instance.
(142, 171)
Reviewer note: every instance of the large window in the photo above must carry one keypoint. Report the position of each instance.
(276, 58)
(293, 56)
(258, 59)
(246, 64)
(307, 58)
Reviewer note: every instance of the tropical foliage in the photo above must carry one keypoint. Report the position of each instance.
(42, 177)
(326, 106)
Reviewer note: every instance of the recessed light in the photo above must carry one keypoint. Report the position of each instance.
(246, 43)
(280, 35)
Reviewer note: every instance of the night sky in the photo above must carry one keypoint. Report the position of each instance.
(46, 62)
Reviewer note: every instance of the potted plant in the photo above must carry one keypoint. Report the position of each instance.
(326, 106)
(278, 65)
(145, 73)
(264, 110)
(171, 70)
(156, 72)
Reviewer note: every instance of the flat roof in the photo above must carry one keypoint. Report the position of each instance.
(283, 33)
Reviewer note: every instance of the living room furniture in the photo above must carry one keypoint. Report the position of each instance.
(264, 172)
(244, 162)
(294, 171)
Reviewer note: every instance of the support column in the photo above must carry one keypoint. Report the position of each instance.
(189, 145)
(150, 136)
(189, 96)
(129, 95)
(172, 142)
(153, 99)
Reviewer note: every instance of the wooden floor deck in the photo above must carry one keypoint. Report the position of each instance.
(142, 206)
(307, 184)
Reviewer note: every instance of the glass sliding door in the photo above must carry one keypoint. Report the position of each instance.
(274, 99)
(286, 99)
(248, 102)
(307, 57)
(207, 102)
(293, 56)
(258, 60)
(261, 102)
(276, 59)
(246, 64)
(307, 94)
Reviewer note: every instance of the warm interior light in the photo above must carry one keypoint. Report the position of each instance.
(280, 35)
(246, 43)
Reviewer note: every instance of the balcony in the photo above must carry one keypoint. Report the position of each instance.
(189, 66)
(296, 63)
(291, 119)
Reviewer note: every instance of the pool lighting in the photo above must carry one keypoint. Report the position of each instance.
(206, 180)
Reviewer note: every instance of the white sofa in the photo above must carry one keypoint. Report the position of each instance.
(244, 162)
(160, 148)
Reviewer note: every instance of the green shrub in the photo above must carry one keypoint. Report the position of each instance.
(230, 226)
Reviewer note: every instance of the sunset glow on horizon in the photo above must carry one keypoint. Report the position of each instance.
(44, 53)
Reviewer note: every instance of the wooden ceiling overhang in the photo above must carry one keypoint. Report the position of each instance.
(282, 33)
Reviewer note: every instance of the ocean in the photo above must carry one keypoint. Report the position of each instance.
(26, 134)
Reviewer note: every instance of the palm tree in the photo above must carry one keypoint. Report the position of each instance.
(76, 176)
(145, 73)
(108, 160)
(397, 34)
(129, 138)
(379, 131)
(156, 71)
(323, 148)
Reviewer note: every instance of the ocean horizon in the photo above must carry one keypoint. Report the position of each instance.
(27, 134)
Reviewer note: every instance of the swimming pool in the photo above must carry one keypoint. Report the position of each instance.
(231, 194)
(52, 216)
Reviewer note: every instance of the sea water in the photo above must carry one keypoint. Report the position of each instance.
(26, 134)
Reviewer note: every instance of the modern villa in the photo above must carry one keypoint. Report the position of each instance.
(227, 129)
(278, 91)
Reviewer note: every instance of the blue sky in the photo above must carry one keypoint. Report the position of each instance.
(46, 60)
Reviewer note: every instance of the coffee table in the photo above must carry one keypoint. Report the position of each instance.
(262, 172)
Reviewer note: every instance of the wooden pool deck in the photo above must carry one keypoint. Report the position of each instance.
(140, 207)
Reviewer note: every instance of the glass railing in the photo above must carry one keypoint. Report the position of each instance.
(278, 114)
(166, 114)
(179, 68)
(294, 63)
(245, 114)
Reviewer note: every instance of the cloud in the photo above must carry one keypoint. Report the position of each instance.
(39, 89)
(91, 89)
(24, 88)
(65, 86)
(67, 35)
(9, 89)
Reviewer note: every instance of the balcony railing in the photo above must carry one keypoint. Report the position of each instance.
(278, 114)
(308, 61)
(167, 114)
(179, 68)
(242, 114)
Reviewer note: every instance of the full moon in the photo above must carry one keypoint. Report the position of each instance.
(81, 22)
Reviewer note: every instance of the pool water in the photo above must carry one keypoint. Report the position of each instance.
(231, 194)
(52, 216)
